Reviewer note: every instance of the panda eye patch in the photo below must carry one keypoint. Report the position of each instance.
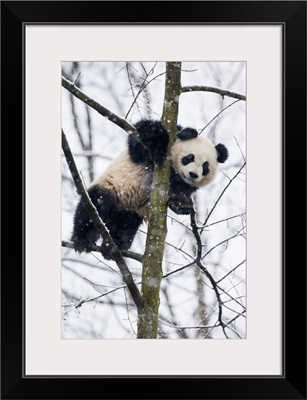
(205, 168)
(187, 159)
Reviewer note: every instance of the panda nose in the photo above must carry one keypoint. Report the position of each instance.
(192, 175)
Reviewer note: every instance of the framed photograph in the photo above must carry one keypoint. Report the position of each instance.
(158, 193)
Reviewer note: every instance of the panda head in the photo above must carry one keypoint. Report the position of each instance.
(196, 158)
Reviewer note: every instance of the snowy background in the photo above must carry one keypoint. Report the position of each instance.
(189, 307)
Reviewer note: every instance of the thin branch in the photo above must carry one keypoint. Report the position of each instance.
(205, 271)
(229, 105)
(237, 234)
(125, 253)
(222, 92)
(88, 153)
(198, 252)
(231, 297)
(132, 91)
(239, 148)
(222, 220)
(122, 123)
(143, 86)
(179, 269)
(196, 235)
(181, 334)
(104, 294)
(75, 119)
(128, 315)
(94, 216)
(90, 158)
(220, 196)
(230, 272)
(234, 331)
(236, 317)
(175, 326)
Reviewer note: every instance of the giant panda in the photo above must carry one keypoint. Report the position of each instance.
(121, 193)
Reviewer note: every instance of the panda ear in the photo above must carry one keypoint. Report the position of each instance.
(222, 153)
(187, 134)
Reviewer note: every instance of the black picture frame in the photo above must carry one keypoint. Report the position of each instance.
(292, 383)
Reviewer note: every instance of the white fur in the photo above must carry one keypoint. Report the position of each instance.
(130, 183)
(203, 150)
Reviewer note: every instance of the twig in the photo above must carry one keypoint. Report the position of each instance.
(230, 272)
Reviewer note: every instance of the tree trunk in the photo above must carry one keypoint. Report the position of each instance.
(157, 229)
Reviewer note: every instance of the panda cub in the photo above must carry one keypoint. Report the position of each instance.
(121, 194)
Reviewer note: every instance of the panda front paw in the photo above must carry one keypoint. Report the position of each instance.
(180, 204)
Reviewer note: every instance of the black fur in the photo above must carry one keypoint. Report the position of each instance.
(155, 137)
(122, 224)
(187, 134)
(188, 159)
(179, 194)
(222, 153)
(206, 169)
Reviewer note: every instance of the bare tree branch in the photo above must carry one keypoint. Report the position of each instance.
(125, 253)
(222, 92)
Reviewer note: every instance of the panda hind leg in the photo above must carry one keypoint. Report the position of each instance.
(122, 224)
(122, 228)
(84, 234)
